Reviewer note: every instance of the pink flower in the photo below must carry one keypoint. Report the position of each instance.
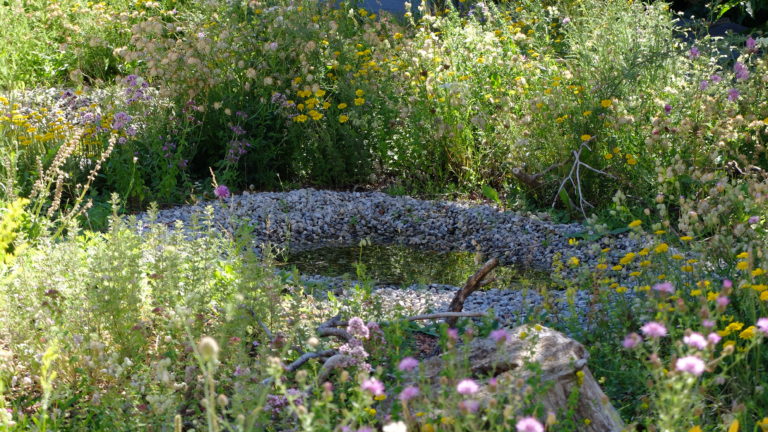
(665, 287)
(654, 330)
(356, 327)
(409, 393)
(529, 424)
(713, 338)
(741, 71)
(408, 364)
(762, 325)
(751, 45)
(708, 323)
(695, 340)
(727, 283)
(632, 340)
(374, 386)
(499, 335)
(690, 364)
(469, 405)
(221, 191)
(453, 334)
(467, 387)
(723, 301)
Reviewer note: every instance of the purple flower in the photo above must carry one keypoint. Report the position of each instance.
(694, 53)
(690, 364)
(408, 364)
(499, 335)
(631, 340)
(713, 338)
(741, 71)
(695, 340)
(374, 386)
(409, 393)
(727, 283)
(529, 424)
(703, 85)
(762, 325)
(723, 301)
(566, 20)
(667, 108)
(357, 328)
(716, 78)
(708, 323)
(453, 334)
(120, 120)
(221, 191)
(733, 94)
(665, 287)
(467, 387)
(469, 405)
(654, 330)
(751, 45)
(754, 219)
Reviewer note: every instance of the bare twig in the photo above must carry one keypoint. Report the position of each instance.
(574, 177)
(330, 328)
(473, 283)
(532, 180)
(307, 357)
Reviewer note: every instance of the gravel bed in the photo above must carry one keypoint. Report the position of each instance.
(306, 219)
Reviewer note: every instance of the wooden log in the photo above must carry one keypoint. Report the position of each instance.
(473, 283)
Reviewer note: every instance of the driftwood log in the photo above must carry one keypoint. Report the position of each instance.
(563, 365)
(473, 283)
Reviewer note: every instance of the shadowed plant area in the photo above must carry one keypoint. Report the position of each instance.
(644, 124)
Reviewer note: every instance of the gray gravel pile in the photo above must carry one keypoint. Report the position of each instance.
(306, 219)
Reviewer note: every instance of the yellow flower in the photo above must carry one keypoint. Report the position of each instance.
(742, 265)
(616, 268)
(645, 263)
(608, 156)
(342, 105)
(586, 137)
(711, 296)
(661, 248)
(315, 115)
(696, 292)
(320, 93)
(734, 427)
(343, 118)
(643, 252)
(359, 93)
(602, 266)
(632, 161)
(427, 427)
(748, 333)
(398, 36)
(574, 261)
(300, 118)
(695, 429)
(371, 411)
(764, 422)
(677, 257)
(743, 255)
(635, 273)
(447, 420)
(686, 238)
(380, 397)
(605, 103)
(627, 258)
(572, 242)
(659, 232)
(687, 268)
(635, 223)
(758, 272)
(359, 101)
(764, 296)
(586, 113)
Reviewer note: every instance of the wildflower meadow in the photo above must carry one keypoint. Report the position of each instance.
(634, 119)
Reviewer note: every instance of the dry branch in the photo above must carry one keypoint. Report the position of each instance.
(473, 283)
(441, 315)
(333, 362)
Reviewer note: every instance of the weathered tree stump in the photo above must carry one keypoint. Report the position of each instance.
(563, 365)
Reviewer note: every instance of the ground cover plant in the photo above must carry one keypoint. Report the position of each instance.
(611, 111)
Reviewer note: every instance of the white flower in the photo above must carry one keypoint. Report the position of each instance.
(396, 427)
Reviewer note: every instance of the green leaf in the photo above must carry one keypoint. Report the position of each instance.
(491, 194)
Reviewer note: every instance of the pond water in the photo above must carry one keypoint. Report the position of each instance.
(402, 265)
